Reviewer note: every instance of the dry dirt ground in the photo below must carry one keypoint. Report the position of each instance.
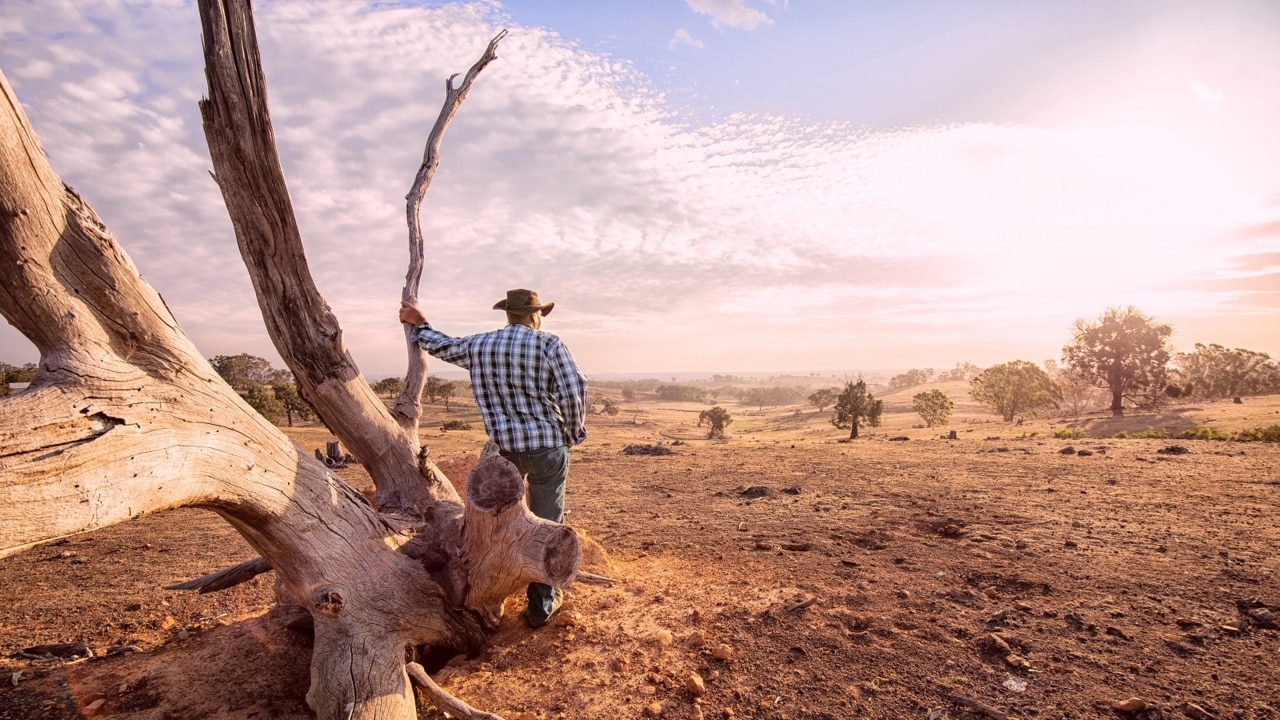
(882, 578)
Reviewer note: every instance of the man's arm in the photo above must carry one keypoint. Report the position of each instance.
(571, 392)
(449, 349)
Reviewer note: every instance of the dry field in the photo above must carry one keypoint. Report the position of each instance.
(796, 576)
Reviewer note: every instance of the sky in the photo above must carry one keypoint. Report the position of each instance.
(703, 185)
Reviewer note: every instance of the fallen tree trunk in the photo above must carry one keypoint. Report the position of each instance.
(125, 417)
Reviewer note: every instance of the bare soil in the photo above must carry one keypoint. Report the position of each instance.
(901, 575)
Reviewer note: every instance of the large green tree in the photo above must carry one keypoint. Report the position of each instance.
(1125, 352)
(1016, 389)
(934, 407)
(856, 405)
(1213, 372)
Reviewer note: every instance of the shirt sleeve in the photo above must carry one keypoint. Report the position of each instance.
(454, 351)
(571, 393)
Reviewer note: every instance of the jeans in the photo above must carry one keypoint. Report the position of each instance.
(545, 472)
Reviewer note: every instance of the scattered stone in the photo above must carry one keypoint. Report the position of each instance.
(899, 438)
(662, 637)
(1257, 612)
(999, 643)
(756, 491)
(798, 547)
(1015, 684)
(695, 684)
(723, 653)
(653, 709)
(1173, 450)
(1195, 712)
(658, 449)
(1068, 450)
(168, 622)
(1133, 704)
(792, 490)
(1084, 453)
(1016, 661)
(94, 706)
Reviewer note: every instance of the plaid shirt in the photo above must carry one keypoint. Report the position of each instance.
(529, 390)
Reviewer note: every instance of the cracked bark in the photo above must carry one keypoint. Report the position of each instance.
(125, 417)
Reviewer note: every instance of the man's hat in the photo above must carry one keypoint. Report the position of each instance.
(523, 302)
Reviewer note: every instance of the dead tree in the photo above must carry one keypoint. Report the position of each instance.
(126, 418)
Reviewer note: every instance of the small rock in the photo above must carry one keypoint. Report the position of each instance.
(1195, 712)
(1016, 661)
(723, 653)
(1068, 450)
(95, 705)
(663, 637)
(167, 622)
(697, 639)
(999, 643)
(1133, 704)
(653, 709)
(756, 491)
(792, 490)
(695, 684)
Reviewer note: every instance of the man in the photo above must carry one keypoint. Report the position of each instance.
(533, 401)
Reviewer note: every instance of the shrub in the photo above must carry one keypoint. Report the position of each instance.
(455, 425)
(1069, 434)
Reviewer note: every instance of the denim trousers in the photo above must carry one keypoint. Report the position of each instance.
(545, 472)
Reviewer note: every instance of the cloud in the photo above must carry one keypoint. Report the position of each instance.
(733, 13)
(752, 241)
(682, 37)
(1205, 94)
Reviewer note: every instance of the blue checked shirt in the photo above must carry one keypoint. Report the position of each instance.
(530, 392)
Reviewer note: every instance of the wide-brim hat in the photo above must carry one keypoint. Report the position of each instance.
(523, 302)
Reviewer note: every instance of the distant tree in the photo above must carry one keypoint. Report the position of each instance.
(1078, 391)
(911, 378)
(963, 371)
(933, 406)
(821, 399)
(263, 399)
(433, 389)
(389, 387)
(1125, 352)
(772, 396)
(1214, 372)
(680, 393)
(855, 405)
(717, 418)
(445, 392)
(243, 371)
(608, 407)
(15, 374)
(1016, 389)
(292, 402)
(629, 394)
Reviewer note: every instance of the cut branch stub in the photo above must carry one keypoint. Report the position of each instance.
(505, 546)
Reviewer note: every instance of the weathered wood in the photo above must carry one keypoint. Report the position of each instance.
(125, 418)
(407, 406)
(223, 579)
(305, 332)
(442, 700)
(977, 705)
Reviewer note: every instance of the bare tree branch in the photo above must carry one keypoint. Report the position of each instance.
(408, 404)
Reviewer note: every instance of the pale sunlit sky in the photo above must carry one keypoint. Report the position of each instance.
(704, 185)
